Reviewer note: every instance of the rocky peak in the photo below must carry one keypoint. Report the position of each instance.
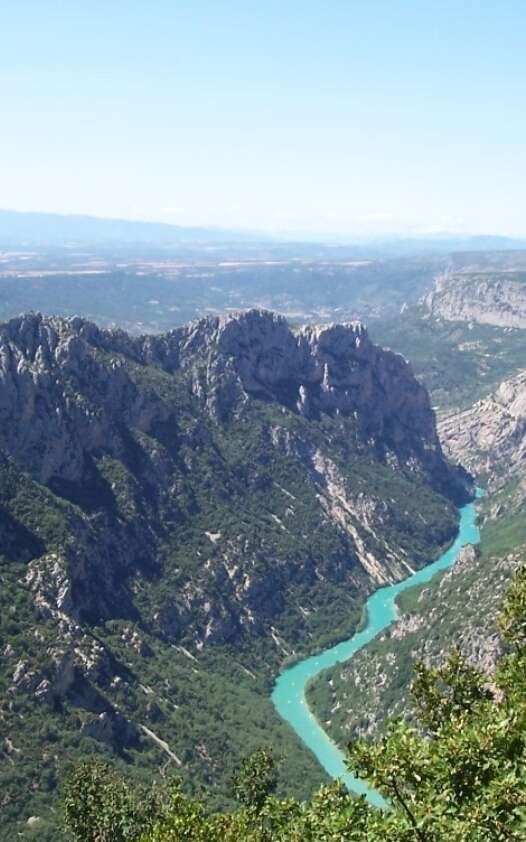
(332, 368)
(267, 350)
(66, 386)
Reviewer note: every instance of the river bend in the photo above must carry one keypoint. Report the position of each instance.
(288, 695)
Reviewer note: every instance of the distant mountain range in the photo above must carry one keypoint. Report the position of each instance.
(52, 229)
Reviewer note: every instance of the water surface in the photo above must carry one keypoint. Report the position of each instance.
(288, 695)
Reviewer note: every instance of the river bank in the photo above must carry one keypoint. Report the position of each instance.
(288, 695)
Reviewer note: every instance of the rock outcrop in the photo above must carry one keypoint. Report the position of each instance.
(63, 395)
(490, 436)
(494, 298)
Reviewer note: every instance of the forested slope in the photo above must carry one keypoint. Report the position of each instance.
(182, 514)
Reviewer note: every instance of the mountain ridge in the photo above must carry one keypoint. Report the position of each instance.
(191, 510)
(57, 228)
(45, 228)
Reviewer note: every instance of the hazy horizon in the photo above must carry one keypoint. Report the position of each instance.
(344, 118)
(272, 236)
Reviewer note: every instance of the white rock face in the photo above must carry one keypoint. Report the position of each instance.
(498, 299)
(490, 436)
(57, 402)
(332, 368)
(64, 390)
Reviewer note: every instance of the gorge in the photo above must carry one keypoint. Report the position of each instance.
(289, 692)
(179, 515)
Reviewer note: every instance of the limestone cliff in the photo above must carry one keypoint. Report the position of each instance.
(490, 436)
(491, 298)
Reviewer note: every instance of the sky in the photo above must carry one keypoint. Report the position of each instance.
(359, 117)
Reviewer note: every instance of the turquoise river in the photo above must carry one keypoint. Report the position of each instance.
(288, 695)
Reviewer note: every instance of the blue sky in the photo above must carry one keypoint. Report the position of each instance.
(337, 116)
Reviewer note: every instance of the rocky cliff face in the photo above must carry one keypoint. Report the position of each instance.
(94, 416)
(490, 436)
(63, 396)
(98, 418)
(491, 298)
(461, 609)
(232, 482)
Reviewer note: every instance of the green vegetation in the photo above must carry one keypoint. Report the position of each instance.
(504, 515)
(195, 560)
(458, 606)
(148, 603)
(508, 533)
(459, 776)
(408, 601)
(210, 712)
(458, 362)
(157, 296)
